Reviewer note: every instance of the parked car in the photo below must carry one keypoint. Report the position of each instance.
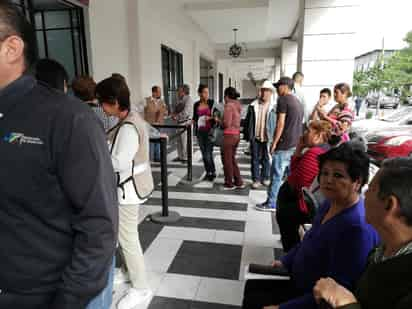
(398, 118)
(392, 143)
(385, 101)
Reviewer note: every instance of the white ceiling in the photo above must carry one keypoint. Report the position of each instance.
(261, 23)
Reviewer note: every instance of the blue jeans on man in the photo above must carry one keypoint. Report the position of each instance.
(155, 152)
(105, 298)
(260, 157)
(280, 163)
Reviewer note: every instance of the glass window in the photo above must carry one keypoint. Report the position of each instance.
(172, 72)
(57, 19)
(77, 48)
(38, 19)
(59, 44)
(64, 33)
(40, 44)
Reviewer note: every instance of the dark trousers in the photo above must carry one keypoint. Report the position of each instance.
(290, 217)
(261, 293)
(20, 301)
(206, 147)
(230, 167)
(260, 157)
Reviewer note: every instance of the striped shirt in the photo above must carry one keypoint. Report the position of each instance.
(108, 121)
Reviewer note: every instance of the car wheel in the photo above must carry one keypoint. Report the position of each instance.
(395, 106)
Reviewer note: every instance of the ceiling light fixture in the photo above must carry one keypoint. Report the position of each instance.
(235, 50)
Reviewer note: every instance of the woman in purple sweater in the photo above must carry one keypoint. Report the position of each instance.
(337, 245)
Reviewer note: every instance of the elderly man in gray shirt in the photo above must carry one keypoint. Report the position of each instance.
(183, 115)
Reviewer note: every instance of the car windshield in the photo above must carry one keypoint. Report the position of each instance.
(399, 115)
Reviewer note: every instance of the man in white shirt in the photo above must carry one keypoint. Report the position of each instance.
(298, 78)
(183, 114)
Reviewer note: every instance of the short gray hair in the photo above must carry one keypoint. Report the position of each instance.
(395, 178)
(185, 88)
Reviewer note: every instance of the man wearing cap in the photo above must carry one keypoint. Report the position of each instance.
(288, 131)
(259, 128)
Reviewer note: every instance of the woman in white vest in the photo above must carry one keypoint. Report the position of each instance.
(129, 148)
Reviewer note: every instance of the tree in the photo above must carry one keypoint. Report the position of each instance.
(395, 74)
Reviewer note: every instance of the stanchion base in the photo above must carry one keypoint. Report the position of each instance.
(171, 218)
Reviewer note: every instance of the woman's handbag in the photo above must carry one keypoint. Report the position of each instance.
(216, 136)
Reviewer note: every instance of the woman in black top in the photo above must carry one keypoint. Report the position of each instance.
(203, 123)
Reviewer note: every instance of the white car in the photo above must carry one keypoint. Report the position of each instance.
(402, 117)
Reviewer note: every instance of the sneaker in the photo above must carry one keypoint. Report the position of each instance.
(266, 182)
(134, 297)
(256, 185)
(210, 177)
(120, 277)
(228, 188)
(242, 186)
(266, 207)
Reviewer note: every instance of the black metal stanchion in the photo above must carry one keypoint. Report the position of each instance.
(187, 128)
(189, 153)
(165, 216)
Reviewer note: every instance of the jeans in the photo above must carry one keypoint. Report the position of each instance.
(155, 151)
(260, 156)
(280, 163)
(230, 167)
(206, 147)
(104, 299)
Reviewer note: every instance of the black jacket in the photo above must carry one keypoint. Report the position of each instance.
(249, 124)
(58, 200)
(385, 285)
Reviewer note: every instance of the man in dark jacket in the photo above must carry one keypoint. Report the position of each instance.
(58, 204)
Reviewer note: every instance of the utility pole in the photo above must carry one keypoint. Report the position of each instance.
(382, 66)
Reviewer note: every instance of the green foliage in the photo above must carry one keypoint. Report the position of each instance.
(395, 74)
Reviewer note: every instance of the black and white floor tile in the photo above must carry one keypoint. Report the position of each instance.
(198, 262)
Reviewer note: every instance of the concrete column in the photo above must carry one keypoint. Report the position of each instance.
(289, 57)
(278, 69)
(328, 44)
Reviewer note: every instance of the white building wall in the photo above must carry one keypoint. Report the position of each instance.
(289, 57)
(126, 37)
(249, 89)
(329, 37)
(108, 40)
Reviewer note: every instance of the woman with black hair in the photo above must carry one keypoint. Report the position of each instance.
(129, 148)
(203, 123)
(337, 245)
(231, 139)
(52, 73)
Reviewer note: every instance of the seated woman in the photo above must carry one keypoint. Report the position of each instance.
(336, 246)
(387, 280)
(292, 210)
